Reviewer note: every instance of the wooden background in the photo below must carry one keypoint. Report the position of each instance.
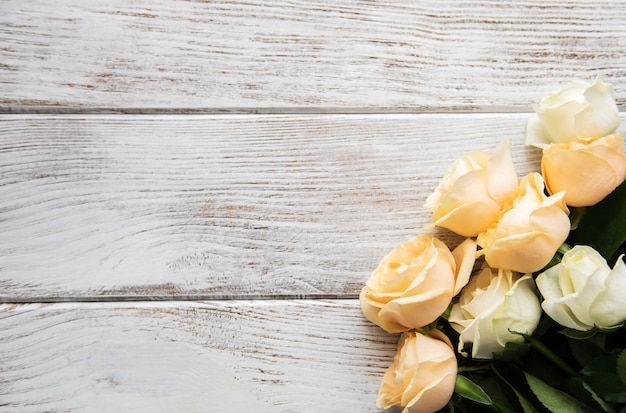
(193, 193)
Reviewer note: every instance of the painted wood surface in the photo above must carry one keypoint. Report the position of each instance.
(199, 194)
(232, 356)
(227, 206)
(277, 56)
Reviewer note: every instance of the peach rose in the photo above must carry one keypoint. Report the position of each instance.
(414, 284)
(529, 230)
(422, 376)
(492, 305)
(577, 111)
(472, 191)
(587, 169)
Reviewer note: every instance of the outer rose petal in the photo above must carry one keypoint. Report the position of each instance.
(501, 175)
(521, 311)
(601, 117)
(414, 311)
(536, 134)
(609, 309)
(559, 121)
(465, 257)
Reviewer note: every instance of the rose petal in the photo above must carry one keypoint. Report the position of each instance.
(536, 134)
(464, 257)
(609, 309)
(601, 117)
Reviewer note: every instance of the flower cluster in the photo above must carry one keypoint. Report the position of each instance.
(515, 291)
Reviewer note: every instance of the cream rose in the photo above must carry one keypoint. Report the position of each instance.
(472, 191)
(529, 230)
(414, 284)
(582, 291)
(587, 169)
(422, 376)
(493, 305)
(577, 111)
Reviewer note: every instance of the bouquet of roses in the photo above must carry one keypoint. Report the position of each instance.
(527, 313)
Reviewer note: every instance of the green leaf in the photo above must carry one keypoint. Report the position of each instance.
(503, 408)
(585, 394)
(585, 351)
(553, 399)
(472, 391)
(603, 227)
(599, 400)
(492, 387)
(603, 377)
(512, 385)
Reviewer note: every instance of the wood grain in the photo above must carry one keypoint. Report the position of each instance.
(261, 56)
(260, 356)
(231, 206)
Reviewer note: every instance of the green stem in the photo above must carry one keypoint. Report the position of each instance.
(549, 354)
(564, 248)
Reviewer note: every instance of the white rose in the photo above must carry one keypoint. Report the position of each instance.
(579, 110)
(582, 291)
(491, 307)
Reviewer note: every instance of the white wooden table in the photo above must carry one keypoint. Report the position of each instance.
(193, 193)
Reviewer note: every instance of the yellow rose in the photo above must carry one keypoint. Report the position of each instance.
(422, 376)
(577, 111)
(529, 230)
(415, 283)
(587, 169)
(472, 191)
(583, 291)
(492, 305)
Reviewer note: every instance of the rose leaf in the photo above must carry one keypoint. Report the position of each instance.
(513, 386)
(556, 401)
(603, 227)
(604, 375)
(472, 391)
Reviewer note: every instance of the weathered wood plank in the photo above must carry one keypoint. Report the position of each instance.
(221, 206)
(271, 56)
(260, 356)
